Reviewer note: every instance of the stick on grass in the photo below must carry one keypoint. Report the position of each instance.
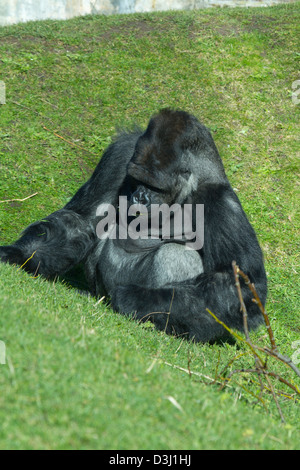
(18, 200)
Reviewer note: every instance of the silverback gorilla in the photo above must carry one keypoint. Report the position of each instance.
(174, 161)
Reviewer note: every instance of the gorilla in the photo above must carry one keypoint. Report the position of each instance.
(173, 161)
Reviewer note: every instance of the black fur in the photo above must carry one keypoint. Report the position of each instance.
(174, 161)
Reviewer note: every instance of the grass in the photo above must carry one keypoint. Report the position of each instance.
(77, 375)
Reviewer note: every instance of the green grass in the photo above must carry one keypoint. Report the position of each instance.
(77, 375)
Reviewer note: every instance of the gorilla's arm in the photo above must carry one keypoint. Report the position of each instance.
(181, 308)
(62, 240)
(52, 246)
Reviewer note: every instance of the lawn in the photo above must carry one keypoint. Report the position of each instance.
(77, 375)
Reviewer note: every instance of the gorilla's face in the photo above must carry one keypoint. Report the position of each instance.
(160, 168)
(172, 158)
(146, 195)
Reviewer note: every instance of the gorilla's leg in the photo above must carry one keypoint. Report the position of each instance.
(52, 246)
(181, 309)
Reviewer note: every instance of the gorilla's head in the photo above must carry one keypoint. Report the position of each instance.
(172, 158)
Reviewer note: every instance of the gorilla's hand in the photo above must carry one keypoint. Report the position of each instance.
(129, 301)
(125, 300)
(10, 254)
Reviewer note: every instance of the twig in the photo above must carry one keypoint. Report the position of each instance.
(275, 398)
(274, 350)
(235, 358)
(68, 141)
(32, 110)
(141, 320)
(190, 372)
(189, 363)
(27, 260)
(236, 271)
(285, 359)
(258, 361)
(235, 334)
(169, 313)
(266, 372)
(19, 200)
(217, 366)
(258, 302)
(243, 306)
(260, 366)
